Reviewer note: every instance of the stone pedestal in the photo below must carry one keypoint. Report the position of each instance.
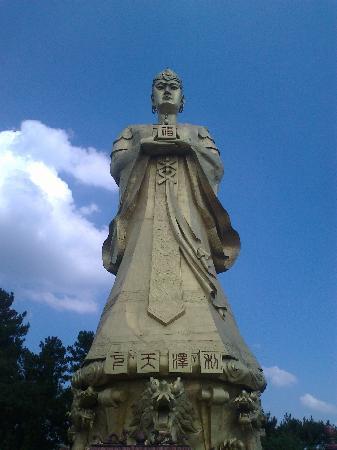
(204, 413)
(138, 447)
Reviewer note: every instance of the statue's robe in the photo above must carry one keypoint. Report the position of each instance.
(170, 238)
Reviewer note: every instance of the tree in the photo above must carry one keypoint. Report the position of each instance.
(34, 388)
(12, 335)
(45, 422)
(13, 331)
(282, 441)
(270, 424)
(46, 376)
(313, 432)
(80, 349)
(293, 434)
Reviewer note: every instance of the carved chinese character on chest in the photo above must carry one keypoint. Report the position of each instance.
(165, 132)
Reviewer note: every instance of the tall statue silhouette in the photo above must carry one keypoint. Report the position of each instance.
(167, 313)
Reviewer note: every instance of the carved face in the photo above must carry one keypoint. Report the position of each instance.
(167, 96)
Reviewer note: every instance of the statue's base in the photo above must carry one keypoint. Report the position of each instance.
(139, 447)
(206, 412)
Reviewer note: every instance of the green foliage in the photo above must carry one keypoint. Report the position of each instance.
(293, 434)
(282, 441)
(12, 335)
(80, 349)
(45, 375)
(34, 387)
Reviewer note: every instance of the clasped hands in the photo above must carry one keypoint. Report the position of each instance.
(153, 147)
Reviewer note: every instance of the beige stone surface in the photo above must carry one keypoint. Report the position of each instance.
(167, 315)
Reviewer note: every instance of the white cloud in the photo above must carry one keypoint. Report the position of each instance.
(64, 302)
(52, 146)
(50, 250)
(279, 377)
(89, 209)
(315, 404)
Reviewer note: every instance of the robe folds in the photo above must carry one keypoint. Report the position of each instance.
(169, 240)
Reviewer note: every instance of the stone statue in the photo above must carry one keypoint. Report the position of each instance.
(168, 362)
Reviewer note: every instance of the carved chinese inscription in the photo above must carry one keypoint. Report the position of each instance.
(148, 362)
(210, 362)
(180, 361)
(166, 132)
(116, 362)
(167, 170)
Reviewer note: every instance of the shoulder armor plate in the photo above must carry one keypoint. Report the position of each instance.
(123, 140)
(203, 133)
(206, 138)
(125, 134)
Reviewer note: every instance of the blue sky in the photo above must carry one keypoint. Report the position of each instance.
(262, 77)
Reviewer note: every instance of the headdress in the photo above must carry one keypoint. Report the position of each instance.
(168, 75)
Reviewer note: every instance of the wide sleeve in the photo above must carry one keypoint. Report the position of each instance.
(223, 239)
(209, 158)
(125, 161)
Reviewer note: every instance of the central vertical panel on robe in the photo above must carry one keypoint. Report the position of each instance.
(165, 296)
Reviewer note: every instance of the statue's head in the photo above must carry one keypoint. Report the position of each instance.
(167, 93)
